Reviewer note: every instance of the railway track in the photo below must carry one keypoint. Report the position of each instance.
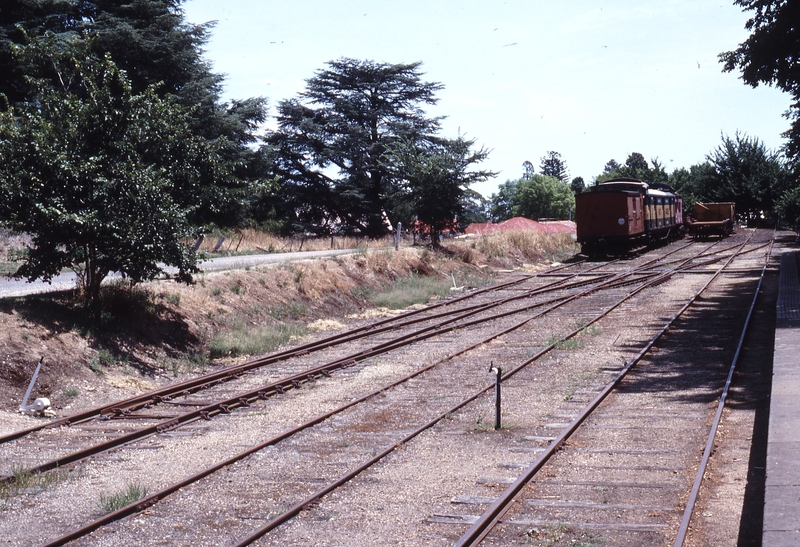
(412, 394)
(125, 422)
(597, 487)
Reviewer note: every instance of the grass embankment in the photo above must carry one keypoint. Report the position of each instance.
(164, 329)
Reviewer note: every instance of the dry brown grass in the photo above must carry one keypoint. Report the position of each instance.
(164, 329)
(249, 240)
(513, 249)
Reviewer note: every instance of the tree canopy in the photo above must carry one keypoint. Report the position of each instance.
(102, 177)
(770, 55)
(553, 166)
(577, 185)
(333, 143)
(635, 167)
(158, 50)
(741, 169)
(435, 177)
(540, 196)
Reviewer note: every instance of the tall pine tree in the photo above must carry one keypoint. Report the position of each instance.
(333, 143)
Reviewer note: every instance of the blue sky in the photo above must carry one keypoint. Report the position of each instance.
(592, 80)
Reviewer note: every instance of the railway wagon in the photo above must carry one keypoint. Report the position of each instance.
(709, 219)
(621, 214)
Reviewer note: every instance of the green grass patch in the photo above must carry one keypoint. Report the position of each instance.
(241, 340)
(570, 343)
(591, 330)
(195, 361)
(409, 291)
(112, 502)
(104, 358)
(290, 310)
(237, 288)
(30, 483)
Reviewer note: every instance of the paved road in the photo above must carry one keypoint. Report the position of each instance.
(66, 281)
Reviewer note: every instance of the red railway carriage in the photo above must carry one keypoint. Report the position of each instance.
(620, 214)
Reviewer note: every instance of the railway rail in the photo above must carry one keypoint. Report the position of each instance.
(383, 422)
(204, 410)
(652, 528)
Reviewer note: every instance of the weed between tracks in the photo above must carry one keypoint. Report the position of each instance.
(112, 502)
(26, 482)
(488, 425)
(570, 343)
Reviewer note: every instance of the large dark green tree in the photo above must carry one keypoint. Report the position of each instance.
(635, 167)
(435, 177)
(540, 196)
(155, 46)
(333, 141)
(102, 177)
(746, 172)
(577, 185)
(771, 55)
(502, 201)
(690, 183)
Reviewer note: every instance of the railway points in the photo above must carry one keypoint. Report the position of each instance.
(399, 443)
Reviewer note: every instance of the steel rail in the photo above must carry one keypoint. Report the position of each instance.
(214, 378)
(480, 529)
(295, 381)
(154, 498)
(717, 259)
(701, 470)
(281, 386)
(211, 379)
(300, 506)
(202, 382)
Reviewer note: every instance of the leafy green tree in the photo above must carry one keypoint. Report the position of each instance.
(333, 141)
(611, 166)
(770, 56)
(475, 208)
(634, 164)
(540, 196)
(635, 167)
(502, 202)
(103, 178)
(155, 46)
(553, 166)
(436, 177)
(689, 183)
(787, 207)
(746, 172)
(147, 38)
(543, 197)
